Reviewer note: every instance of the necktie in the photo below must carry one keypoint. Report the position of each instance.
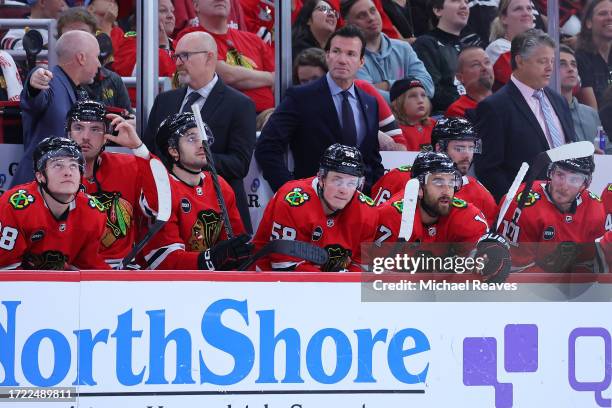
(556, 136)
(191, 99)
(348, 121)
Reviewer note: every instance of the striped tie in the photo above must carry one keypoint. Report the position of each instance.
(556, 136)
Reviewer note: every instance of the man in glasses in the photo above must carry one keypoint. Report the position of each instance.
(561, 219)
(194, 237)
(49, 223)
(453, 225)
(115, 179)
(229, 114)
(327, 210)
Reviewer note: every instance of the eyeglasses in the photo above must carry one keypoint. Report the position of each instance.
(327, 10)
(184, 56)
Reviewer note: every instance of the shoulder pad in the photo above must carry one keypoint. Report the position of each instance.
(594, 196)
(405, 169)
(532, 198)
(398, 205)
(21, 199)
(459, 203)
(365, 200)
(93, 202)
(610, 187)
(129, 34)
(296, 197)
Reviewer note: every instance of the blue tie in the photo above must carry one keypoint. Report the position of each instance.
(348, 121)
(556, 136)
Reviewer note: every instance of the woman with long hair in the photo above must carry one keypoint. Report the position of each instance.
(514, 17)
(313, 26)
(593, 52)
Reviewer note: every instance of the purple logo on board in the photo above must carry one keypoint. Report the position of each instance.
(520, 356)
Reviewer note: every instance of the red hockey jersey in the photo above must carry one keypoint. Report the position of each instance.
(543, 237)
(472, 191)
(119, 181)
(455, 233)
(196, 223)
(32, 238)
(295, 212)
(606, 197)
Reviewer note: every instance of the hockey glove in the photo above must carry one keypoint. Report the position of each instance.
(226, 255)
(496, 251)
(562, 259)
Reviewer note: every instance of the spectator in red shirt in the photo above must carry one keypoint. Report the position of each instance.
(475, 72)
(412, 107)
(245, 61)
(105, 12)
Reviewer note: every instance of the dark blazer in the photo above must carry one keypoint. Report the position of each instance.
(43, 115)
(511, 135)
(231, 117)
(306, 120)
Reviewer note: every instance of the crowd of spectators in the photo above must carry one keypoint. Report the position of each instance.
(382, 86)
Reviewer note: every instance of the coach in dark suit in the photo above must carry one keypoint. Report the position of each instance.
(48, 95)
(524, 117)
(229, 113)
(314, 116)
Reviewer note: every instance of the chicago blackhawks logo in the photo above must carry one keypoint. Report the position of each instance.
(610, 187)
(48, 260)
(532, 198)
(366, 200)
(398, 205)
(296, 197)
(339, 258)
(236, 58)
(21, 199)
(205, 231)
(459, 203)
(119, 215)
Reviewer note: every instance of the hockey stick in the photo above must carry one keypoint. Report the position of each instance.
(195, 108)
(295, 249)
(411, 193)
(164, 208)
(511, 194)
(542, 160)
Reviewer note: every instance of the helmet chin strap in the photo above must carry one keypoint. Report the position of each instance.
(320, 192)
(180, 166)
(50, 194)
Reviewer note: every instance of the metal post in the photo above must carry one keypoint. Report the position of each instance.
(282, 49)
(552, 12)
(147, 60)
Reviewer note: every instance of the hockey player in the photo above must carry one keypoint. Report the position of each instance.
(561, 219)
(606, 197)
(49, 223)
(194, 237)
(457, 138)
(452, 224)
(327, 210)
(115, 179)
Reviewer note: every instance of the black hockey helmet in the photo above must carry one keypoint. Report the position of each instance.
(447, 129)
(87, 111)
(582, 165)
(343, 159)
(435, 162)
(52, 147)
